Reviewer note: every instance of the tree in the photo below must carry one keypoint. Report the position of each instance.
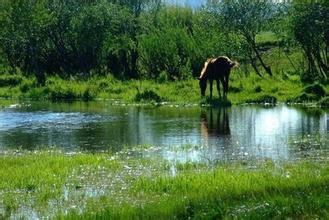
(246, 18)
(168, 47)
(22, 40)
(137, 7)
(310, 27)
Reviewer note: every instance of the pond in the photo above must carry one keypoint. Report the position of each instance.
(170, 132)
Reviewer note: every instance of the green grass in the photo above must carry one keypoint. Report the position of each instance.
(267, 37)
(107, 186)
(184, 92)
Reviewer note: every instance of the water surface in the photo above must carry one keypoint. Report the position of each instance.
(174, 133)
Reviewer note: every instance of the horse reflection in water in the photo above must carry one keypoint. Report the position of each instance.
(216, 134)
(215, 123)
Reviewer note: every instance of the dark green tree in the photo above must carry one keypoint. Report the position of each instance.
(169, 47)
(310, 27)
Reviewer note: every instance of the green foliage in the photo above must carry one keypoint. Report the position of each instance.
(125, 38)
(170, 47)
(88, 42)
(248, 19)
(310, 27)
(304, 98)
(310, 93)
(10, 80)
(65, 37)
(316, 89)
(324, 102)
(258, 89)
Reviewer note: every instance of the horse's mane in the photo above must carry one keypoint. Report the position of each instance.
(205, 67)
(228, 60)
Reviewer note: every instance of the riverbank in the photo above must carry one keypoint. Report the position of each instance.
(242, 89)
(105, 185)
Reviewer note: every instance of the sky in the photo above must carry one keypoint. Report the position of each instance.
(192, 3)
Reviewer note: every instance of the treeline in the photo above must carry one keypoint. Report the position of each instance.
(151, 39)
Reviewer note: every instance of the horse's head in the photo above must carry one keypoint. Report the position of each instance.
(203, 85)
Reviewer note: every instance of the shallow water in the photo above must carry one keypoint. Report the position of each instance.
(173, 133)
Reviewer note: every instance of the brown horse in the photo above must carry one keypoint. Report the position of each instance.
(216, 69)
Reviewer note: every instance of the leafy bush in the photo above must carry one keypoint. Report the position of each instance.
(304, 97)
(163, 77)
(316, 89)
(26, 85)
(258, 89)
(167, 51)
(88, 95)
(324, 102)
(310, 93)
(62, 93)
(309, 25)
(147, 95)
(10, 80)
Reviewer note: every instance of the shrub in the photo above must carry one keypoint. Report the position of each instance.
(10, 80)
(26, 85)
(316, 89)
(88, 95)
(305, 97)
(163, 77)
(103, 84)
(147, 95)
(324, 102)
(310, 93)
(258, 89)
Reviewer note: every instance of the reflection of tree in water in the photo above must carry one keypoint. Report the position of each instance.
(215, 122)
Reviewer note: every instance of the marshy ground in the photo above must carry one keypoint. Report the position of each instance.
(51, 183)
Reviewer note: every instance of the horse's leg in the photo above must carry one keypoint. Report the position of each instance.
(218, 87)
(225, 88)
(222, 81)
(211, 82)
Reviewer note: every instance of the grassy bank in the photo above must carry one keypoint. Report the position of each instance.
(243, 89)
(51, 183)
